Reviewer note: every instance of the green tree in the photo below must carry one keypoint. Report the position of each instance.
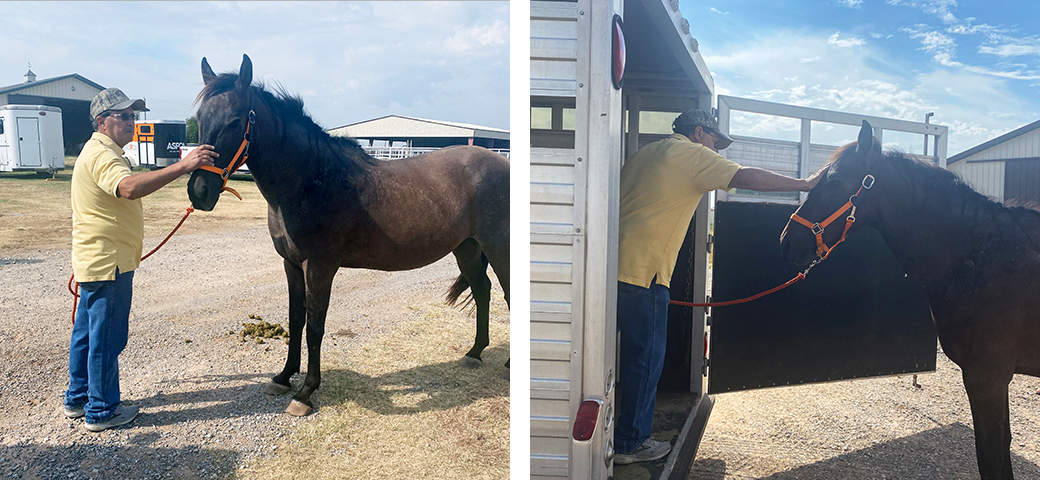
(193, 130)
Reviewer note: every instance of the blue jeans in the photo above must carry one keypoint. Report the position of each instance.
(98, 337)
(642, 321)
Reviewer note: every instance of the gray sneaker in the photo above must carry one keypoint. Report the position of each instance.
(650, 450)
(123, 416)
(74, 412)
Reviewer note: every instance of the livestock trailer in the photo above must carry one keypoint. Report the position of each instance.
(31, 139)
(607, 77)
(157, 143)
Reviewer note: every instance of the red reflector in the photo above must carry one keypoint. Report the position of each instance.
(585, 421)
(618, 52)
(43, 114)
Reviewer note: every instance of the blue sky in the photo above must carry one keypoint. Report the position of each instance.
(976, 65)
(350, 61)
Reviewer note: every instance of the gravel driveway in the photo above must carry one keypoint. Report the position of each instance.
(198, 386)
(881, 428)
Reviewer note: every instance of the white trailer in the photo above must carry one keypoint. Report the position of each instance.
(578, 142)
(31, 139)
(584, 122)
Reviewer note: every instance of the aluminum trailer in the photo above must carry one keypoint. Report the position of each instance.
(584, 123)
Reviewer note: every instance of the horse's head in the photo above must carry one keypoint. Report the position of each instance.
(809, 235)
(224, 113)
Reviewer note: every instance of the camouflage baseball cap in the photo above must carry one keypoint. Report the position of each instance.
(113, 99)
(689, 119)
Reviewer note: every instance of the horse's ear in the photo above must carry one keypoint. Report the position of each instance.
(866, 139)
(207, 72)
(245, 73)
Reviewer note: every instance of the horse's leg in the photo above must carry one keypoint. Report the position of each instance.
(297, 318)
(473, 267)
(319, 288)
(988, 395)
(498, 257)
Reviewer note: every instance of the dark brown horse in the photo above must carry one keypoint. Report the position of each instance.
(978, 262)
(331, 205)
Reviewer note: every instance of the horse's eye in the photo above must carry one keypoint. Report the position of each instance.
(234, 124)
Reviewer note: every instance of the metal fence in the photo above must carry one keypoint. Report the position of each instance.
(396, 153)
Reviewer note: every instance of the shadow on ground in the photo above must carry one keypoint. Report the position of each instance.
(442, 386)
(111, 461)
(946, 452)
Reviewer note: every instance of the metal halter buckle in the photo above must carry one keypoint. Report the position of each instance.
(867, 184)
(817, 229)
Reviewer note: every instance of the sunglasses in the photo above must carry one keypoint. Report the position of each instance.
(126, 117)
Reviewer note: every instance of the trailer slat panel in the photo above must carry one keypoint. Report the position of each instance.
(550, 330)
(543, 349)
(550, 407)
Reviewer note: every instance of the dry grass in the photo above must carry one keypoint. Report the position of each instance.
(35, 213)
(374, 399)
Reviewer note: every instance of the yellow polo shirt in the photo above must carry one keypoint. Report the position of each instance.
(661, 185)
(107, 231)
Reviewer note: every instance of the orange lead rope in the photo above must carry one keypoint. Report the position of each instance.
(74, 286)
(822, 250)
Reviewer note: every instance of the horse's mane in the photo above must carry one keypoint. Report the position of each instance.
(289, 108)
(944, 182)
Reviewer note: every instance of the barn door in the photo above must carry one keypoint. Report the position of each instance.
(29, 142)
(855, 315)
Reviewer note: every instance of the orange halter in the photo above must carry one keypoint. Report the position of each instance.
(822, 250)
(239, 159)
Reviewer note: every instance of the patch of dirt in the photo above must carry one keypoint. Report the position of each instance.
(203, 414)
(881, 428)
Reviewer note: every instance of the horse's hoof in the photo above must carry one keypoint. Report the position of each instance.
(273, 388)
(297, 408)
(470, 362)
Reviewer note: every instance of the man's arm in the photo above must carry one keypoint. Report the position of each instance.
(141, 184)
(752, 178)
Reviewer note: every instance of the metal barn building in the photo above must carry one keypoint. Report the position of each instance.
(71, 93)
(1005, 168)
(420, 135)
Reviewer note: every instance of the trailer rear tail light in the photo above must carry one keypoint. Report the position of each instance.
(585, 421)
(618, 45)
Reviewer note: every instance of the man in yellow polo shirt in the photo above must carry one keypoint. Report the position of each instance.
(661, 185)
(107, 229)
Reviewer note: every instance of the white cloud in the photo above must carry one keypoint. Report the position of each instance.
(844, 43)
(479, 36)
(977, 106)
(939, 8)
(1010, 50)
(808, 59)
(351, 61)
(850, 3)
(719, 11)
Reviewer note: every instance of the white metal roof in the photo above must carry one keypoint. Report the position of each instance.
(1023, 142)
(64, 86)
(397, 126)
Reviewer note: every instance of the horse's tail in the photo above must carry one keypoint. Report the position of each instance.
(457, 289)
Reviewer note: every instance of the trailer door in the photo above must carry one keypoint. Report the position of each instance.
(855, 315)
(29, 145)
